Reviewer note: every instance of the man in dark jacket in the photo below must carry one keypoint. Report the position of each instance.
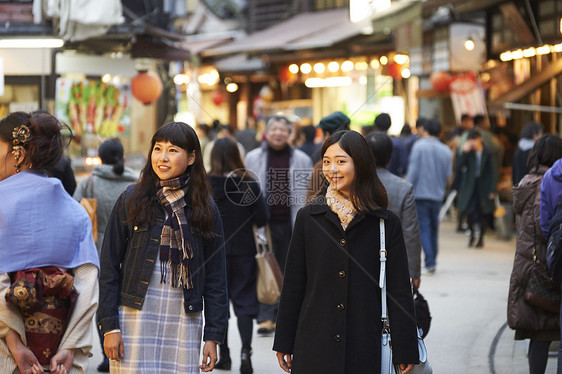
(478, 188)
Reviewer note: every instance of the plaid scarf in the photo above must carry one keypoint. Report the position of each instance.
(176, 249)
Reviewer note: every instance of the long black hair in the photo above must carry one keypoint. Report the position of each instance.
(144, 193)
(367, 191)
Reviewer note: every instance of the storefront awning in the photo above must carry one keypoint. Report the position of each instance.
(239, 63)
(530, 85)
(306, 30)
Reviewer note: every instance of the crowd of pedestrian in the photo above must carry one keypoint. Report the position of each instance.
(176, 244)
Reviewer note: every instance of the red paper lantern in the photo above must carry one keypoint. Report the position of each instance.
(394, 69)
(440, 80)
(217, 97)
(285, 76)
(146, 87)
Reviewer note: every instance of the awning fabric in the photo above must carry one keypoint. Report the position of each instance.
(306, 30)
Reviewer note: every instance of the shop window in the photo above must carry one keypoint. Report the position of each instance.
(19, 98)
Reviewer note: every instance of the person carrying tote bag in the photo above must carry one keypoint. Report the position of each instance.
(270, 278)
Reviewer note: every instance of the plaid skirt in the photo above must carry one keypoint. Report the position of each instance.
(160, 338)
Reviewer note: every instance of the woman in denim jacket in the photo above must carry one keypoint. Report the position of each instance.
(163, 264)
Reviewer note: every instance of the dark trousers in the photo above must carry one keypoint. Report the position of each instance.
(280, 238)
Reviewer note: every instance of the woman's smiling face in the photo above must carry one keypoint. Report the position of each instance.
(338, 168)
(170, 161)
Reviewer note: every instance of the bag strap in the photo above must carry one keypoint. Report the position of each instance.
(90, 186)
(382, 277)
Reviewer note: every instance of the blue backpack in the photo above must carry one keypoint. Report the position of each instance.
(554, 247)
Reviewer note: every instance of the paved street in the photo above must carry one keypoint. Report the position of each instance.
(467, 298)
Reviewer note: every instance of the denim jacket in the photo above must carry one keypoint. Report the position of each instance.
(128, 256)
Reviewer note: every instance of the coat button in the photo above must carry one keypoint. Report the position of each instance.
(342, 242)
(341, 307)
(337, 338)
(190, 307)
(341, 273)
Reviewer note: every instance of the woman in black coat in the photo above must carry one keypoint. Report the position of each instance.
(238, 197)
(329, 313)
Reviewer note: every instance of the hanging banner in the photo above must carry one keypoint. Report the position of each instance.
(94, 107)
(467, 95)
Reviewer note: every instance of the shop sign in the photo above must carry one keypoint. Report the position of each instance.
(467, 95)
(94, 107)
(27, 107)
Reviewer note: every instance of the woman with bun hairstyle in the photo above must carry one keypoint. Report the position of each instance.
(105, 184)
(45, 235)
(163, 265)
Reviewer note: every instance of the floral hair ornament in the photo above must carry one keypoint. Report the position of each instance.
(21, 135)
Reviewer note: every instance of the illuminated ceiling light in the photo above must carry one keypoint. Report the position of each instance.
(180, 79)
(361, 65)
(401, 59)
(518, 54)
(306, 68)
(315, 82)
(375, 64)
(383, 60)
(362, 80)
(319, 67)
(406, 73)
(294, 68)
(232, 87)
(469, 44)
(333, 66)
(529, 52)
(545, 49)
(106, 78)
(338, 81)
(31, 43)
(560, 25)
(92, 161)
(347, 66)
(328, 82)
(506, 56)
(558, 48)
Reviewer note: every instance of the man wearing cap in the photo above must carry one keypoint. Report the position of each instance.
(330, 124)
(283, 173)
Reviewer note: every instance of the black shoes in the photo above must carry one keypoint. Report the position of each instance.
(266, 328)
(224, 362)
(104, 366)
(245, 362)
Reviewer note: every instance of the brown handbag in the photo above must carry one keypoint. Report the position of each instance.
(270, 278)
(541, 291)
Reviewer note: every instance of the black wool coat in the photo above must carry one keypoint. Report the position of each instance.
(241, 205)
(330, 308)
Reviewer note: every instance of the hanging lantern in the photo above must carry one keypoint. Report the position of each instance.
(146, 87)
(285, 75)
(440, 80)
(217, 97)
(394, 69)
